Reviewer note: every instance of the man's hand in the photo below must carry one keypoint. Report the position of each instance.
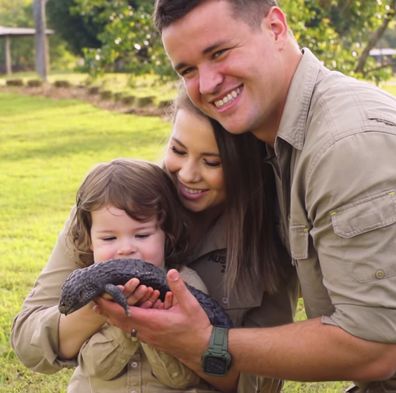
(178, 325)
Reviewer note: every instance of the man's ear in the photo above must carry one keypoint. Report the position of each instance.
(276, 22)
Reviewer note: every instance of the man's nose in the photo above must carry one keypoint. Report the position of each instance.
(209, 79)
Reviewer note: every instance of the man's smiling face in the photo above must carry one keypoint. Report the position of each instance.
(232, 71)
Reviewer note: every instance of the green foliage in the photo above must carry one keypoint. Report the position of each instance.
(337, 32)
(78, 30)
(129, 42)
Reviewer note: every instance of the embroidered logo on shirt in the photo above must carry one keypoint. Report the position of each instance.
(220, 259)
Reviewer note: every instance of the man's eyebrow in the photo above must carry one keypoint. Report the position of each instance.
(209, 49)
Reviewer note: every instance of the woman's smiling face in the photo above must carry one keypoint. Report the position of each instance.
(193, 160)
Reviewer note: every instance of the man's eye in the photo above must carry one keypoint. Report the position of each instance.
(219, 53)
(186, 73)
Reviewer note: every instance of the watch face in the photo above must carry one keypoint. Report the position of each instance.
(215, 365)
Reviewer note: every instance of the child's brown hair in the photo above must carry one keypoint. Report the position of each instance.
(143, 190)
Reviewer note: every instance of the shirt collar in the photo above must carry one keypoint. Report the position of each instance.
(214, 239)
(293, 122)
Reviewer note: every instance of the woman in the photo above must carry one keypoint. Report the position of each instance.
(255, 292)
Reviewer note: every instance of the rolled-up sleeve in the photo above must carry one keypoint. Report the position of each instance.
(352, 205)
(34, 335)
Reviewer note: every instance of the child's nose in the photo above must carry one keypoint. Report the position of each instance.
(127, 248)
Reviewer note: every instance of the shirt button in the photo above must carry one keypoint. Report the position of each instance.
(379, 274)
(134, 364)
(225, 300)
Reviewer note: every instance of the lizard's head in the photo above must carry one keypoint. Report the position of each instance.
(75, 294)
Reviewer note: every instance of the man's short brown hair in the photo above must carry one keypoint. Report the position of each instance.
(167, 12)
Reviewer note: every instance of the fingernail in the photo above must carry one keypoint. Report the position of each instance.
(173, 275)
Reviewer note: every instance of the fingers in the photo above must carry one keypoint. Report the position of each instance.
(137, 294)
(181, 294)
(152, 300)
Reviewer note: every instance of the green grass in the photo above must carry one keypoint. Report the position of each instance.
(46, 147)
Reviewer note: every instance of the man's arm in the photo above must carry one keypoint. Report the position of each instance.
(304, 351)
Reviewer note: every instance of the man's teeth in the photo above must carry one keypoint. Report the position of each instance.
(228, 98)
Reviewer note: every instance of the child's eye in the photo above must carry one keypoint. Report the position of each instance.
(142, 235)
(108, 238)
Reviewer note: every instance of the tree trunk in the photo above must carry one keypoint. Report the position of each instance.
(42, 60)
(7, 53)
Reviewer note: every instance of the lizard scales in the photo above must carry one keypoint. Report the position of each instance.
(85, 284)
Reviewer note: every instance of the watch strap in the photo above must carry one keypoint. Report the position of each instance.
(219, 339)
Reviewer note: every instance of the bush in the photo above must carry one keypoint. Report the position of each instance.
(34, 83)
(14, 82)
(62, 84)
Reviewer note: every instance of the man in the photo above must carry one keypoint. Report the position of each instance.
(332, 143)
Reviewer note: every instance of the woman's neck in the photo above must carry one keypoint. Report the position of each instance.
(201, 222)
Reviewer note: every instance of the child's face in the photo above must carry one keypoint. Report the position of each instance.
(115, 235)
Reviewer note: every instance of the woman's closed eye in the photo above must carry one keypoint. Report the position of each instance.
(212, 163)
(178, 151)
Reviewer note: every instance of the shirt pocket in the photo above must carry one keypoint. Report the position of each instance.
(367, 227)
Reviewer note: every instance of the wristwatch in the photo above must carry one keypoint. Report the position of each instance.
(217, 360)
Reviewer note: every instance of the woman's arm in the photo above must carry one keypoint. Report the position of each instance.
(41, 338)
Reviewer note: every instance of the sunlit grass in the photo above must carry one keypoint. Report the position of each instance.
(46, 147)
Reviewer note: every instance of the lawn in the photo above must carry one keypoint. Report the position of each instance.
(46, 147)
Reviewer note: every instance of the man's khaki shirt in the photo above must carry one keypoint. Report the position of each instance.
(335, 161)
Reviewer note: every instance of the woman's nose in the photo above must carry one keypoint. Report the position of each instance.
(189, 173)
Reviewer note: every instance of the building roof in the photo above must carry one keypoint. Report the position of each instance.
(20, 31)
(383, 52)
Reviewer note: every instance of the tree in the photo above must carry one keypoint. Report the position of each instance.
(340, 33)
(78, 30)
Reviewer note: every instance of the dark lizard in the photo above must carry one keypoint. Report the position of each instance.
(85, 284)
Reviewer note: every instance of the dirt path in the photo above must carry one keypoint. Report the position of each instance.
(81, 93)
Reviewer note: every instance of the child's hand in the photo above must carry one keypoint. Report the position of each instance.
(168, 302)
(137, 294)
